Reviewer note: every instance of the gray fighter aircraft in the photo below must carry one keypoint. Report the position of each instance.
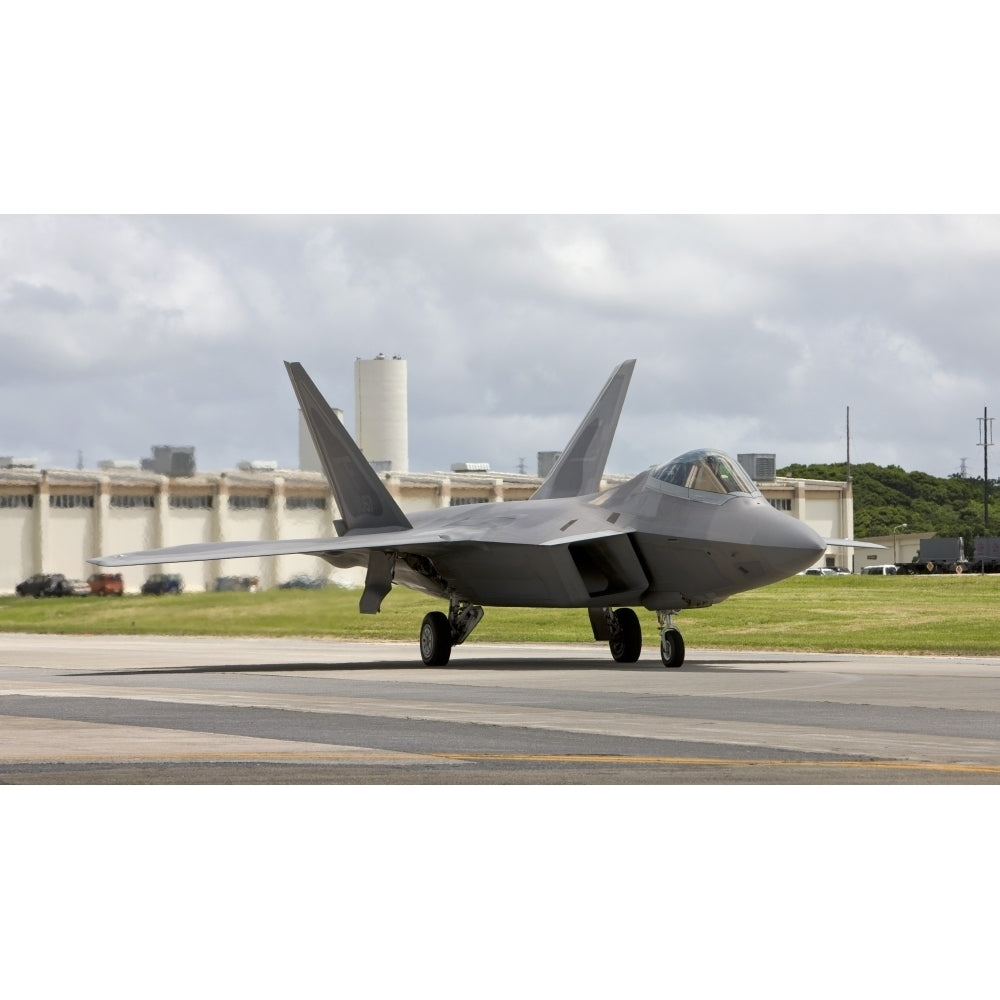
(686, 534)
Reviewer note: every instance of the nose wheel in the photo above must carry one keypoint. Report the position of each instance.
(671, 641)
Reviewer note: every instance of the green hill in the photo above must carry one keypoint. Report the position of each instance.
(886, 496)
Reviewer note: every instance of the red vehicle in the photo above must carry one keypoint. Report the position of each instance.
(105, 584)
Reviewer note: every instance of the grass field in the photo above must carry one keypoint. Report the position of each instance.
(935, 614)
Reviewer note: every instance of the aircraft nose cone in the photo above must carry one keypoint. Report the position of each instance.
(791, 545)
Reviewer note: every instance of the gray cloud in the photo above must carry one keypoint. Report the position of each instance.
(752, 332)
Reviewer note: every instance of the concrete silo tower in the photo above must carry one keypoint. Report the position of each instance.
(380, 412)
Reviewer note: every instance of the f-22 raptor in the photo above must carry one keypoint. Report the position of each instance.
(685, 534)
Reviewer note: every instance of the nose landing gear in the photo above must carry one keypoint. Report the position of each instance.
(621, 630)
(671, 641)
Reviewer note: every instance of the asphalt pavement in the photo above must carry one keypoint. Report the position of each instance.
(137, 710)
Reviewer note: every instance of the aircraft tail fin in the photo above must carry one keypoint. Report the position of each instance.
(363, 500)
(581, 466)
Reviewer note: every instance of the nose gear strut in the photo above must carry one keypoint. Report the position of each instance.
(671, 641)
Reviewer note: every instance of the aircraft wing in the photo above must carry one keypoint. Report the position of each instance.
(496, 565)
(850, 543)
(409, 539)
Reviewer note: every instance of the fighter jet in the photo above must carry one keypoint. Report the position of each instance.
(685, 534)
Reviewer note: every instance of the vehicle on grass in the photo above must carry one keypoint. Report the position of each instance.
(937, 555)
(50, 585)
(303, 582)
(250, 583)
(687, 533)
(985, 555)
(163, 583)
(34, 586)
(106, 584)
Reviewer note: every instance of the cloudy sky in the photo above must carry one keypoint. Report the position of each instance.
(752, 333)
(514, 205)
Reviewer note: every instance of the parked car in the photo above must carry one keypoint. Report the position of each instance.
(163, 583)
(824, 571)
(250, 583)
(78, 588)
(304, 582)
(34, 586)
(48, 585)
(105, 584)
(879, 571)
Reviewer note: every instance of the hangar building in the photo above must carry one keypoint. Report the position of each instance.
(52, 520)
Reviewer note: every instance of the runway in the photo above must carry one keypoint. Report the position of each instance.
(128, 710)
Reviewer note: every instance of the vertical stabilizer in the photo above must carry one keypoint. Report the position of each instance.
(580, 467)
(363, 500)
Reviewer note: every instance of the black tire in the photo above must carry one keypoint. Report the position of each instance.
(672, 648)
(435, 639)
(626, 636)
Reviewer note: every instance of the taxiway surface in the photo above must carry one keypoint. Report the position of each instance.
(89, 710)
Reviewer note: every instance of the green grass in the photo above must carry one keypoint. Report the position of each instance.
(938, 614)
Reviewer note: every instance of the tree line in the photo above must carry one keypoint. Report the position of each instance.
(887, 496)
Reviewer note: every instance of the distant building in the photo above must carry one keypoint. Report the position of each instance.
(171, 460)
(546, 460)
(52, 520)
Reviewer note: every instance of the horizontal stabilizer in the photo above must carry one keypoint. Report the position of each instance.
(580, 467)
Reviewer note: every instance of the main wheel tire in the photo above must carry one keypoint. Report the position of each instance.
(672, 648)
(626, 637)
(435, 639)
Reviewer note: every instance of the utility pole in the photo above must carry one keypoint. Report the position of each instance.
(986, 442)
(848, 477)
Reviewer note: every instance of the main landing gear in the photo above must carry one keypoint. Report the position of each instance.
(439, 632)
(625, 641)
(623, 633)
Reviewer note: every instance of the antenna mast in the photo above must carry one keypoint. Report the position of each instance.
(848, 444)
(986, 442)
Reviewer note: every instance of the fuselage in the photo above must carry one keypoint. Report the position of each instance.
(678, 536)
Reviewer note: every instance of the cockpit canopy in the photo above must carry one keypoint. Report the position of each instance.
(703, 475)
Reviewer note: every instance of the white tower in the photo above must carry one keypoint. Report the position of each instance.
(308, 459)
(380, 412)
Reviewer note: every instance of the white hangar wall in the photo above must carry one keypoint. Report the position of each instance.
(52, 521)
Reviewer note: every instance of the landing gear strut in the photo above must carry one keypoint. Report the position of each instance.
(440, 632)
(671, 641)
